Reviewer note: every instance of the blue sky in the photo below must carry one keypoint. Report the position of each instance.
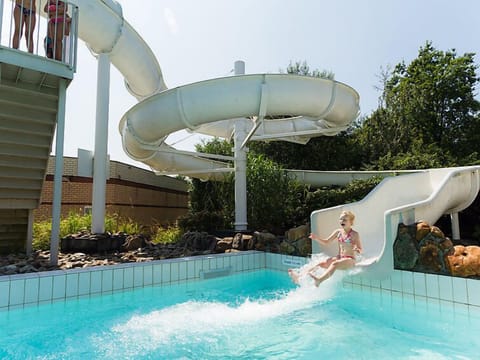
(198, 40)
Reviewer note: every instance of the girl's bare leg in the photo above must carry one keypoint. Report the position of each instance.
(17, 16)
(338, 264)
(59, 41)
(30, 22)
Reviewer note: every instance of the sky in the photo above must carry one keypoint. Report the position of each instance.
(198, 40)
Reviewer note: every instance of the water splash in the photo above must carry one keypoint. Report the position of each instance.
(185, 322)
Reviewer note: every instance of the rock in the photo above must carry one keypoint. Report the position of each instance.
(237, 242)
(297, 232)
(423, 228)
(431, 258)
(224, 245)
(133, 242)
(9, 269)
(436, 232)
(464, 261)
(287, 248)
(304, 246)
(249, 240)
(265, 241)
(405, 253)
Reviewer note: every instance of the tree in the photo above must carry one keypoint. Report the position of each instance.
(429, 102)
(302, 68)
(272, 202)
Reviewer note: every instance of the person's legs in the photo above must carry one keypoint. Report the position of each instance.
(17, 33)
(30, 22)
(341, 264)
(58, 41)
(295, 275)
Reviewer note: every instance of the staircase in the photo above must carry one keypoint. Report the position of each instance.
(28, 116)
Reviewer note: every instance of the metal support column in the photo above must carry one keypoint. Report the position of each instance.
(240, 165)
(1, 18)
(57, 182)
(101, 145)
(455, 226)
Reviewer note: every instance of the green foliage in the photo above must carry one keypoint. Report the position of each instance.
(430, 101)
(330, 153)
(205, 219)
(41, 235)
(168, 235)
(273, 197)
(419, 156)
(302, 68)
(75, 223)
(333, 196)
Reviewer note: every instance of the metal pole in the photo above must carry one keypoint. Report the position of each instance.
(240, 165)
(101, 145)
(455, 226)
(57, 183)
(1, 19)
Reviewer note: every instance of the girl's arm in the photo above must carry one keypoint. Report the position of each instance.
(332, 236)
(358, 244)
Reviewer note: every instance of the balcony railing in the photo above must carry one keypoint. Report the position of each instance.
(47, 28)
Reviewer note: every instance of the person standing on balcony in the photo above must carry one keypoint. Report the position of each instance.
(24, 17)
(58, 27)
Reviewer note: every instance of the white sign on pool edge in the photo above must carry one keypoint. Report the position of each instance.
(292, 262)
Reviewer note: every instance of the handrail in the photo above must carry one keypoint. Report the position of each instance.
(33, 26)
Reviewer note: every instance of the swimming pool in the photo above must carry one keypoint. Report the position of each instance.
(248, 315)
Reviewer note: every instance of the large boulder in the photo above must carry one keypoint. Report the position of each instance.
(405, 253)
(297, 233)
(464, 261)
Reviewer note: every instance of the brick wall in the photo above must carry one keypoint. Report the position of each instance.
(131, 192)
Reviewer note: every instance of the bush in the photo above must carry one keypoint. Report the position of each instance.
(75, 223)
(204, 220)
(333, 196)
(169, 235)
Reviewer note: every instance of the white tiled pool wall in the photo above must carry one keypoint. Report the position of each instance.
(44, 287)
(436, 291)
(444, 292)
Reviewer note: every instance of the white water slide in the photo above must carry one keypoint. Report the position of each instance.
(316, 107)
(426, 195)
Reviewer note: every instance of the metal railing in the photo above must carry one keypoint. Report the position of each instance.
(47, 28)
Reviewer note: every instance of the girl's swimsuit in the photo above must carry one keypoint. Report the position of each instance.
(345, 239)
(26, 11)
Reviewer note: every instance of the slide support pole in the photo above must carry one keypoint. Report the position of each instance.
(240, 164)
(57, 179)
(455, 226)
(100, 157)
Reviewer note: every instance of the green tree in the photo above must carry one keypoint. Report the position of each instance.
(302, 68)
(429, 102)
(273, 198)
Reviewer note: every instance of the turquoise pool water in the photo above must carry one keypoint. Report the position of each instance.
(253, 315)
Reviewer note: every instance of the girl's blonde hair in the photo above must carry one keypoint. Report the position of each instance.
(349, 214)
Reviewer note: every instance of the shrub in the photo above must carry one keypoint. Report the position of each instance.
(168, 235)
(75, 223)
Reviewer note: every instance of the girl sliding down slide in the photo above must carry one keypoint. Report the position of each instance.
(349, 245)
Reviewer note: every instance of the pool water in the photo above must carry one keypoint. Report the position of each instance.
(252, 315)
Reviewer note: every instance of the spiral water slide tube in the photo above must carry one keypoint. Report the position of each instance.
(426, 195)
(307, 106)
